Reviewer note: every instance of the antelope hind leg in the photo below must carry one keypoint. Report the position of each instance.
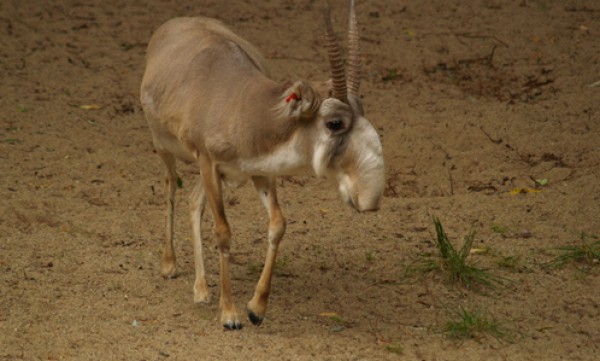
(168, 267)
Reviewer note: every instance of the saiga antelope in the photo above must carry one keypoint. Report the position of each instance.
(208, 98)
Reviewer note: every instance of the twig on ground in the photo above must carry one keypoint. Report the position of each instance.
(495, 141)
(478, 36)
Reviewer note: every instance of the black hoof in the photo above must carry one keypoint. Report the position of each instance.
(256, 320)
(230, 326)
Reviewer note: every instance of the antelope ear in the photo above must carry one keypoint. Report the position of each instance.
(301, 101)
(356, 104)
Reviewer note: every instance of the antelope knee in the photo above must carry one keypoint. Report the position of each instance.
(222, 235)
(276, 230)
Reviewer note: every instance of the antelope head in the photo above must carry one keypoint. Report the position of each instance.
(349, 149)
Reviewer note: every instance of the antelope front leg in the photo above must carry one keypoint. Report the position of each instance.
(168, 266)
(197, 206)
(212, 185)
(257, 306)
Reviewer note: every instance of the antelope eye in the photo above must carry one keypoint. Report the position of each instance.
(335, 125)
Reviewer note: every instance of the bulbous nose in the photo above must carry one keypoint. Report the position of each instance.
(371, 206)
(366, 202)
(363, 199)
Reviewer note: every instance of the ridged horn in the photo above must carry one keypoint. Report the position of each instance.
(354, 63)
(335, 59)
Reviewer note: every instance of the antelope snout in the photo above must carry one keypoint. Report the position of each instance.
(362, 202)
(368, 203)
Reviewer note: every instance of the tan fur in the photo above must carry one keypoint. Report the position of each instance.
(208, 99)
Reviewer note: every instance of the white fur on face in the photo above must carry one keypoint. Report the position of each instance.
(362, 185)
(370, 150)
(322, 154)
(326, 144)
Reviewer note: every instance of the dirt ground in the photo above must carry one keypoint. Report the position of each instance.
(473, 100)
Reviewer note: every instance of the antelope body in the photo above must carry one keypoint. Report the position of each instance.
(208, 99)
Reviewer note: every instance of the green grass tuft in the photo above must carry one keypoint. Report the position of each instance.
(513, 263)
(587, 251)
(394, 348)
(454, 262)
(465, 324)
(500, 229)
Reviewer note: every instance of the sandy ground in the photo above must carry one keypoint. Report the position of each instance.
(472, 99)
